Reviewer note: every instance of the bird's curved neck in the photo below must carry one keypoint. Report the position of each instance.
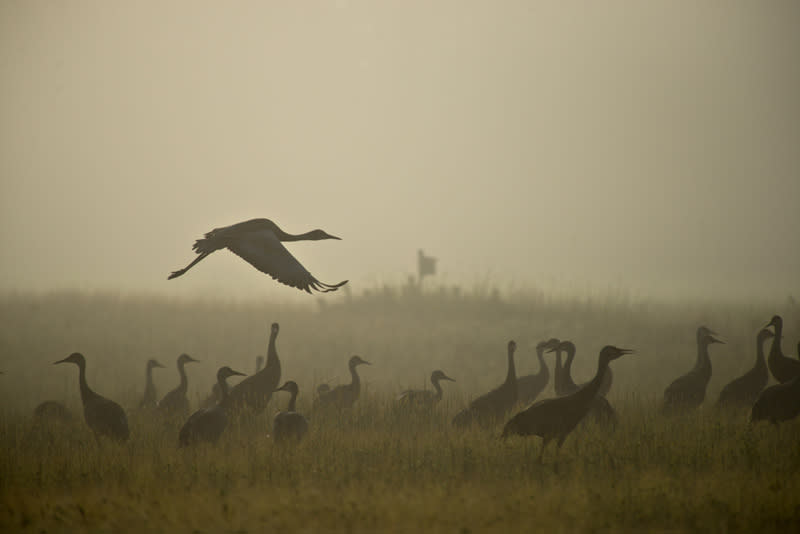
(566, 373)
(184, 385)
(149, 387)
(223, 391)
(558, 371)
(86, 392)
(355, 383)
(761, 362)
(703, 362)
(293, 402)
(775, 350)
(272, 351)
(543, 370)
(437, 387)
(511, 376)
(590, 390)
(283, 236)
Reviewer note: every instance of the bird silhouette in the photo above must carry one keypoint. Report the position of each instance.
(783, 369)
(779, 402)
(51, 410)
(566, 384)
(104, 416)
(744, 390)
(176, 402)
(289, 424)
(424, 398)
(555, 418)
(346, 395)
(255, 391)
(208, 424)
(493, 405)
(149, 399)
(258, 242)
(688, 391)
(530, 386)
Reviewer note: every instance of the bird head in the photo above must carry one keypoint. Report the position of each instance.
(707, 336)
(317, 235)
(776, 321)
(764, 334)
(610, 353)
(512, 346)
(290, 386)
(76, 358)
(548, 344)
(274, 329)
(153, 363)
(356, 360)
(185, 358)
(225, 372)
(439, 375)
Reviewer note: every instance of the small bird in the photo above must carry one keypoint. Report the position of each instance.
(744, 390)
(346, 395)
(149, 399)
(688, 391)
(783, 369)
(208, 424)
(258, 242)
(289, 424)
(105, 417)
(176, 402)
(530, 386)
(555, 418)
(423, 398)
(493, 405)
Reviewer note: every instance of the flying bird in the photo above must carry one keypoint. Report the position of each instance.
(258, 242)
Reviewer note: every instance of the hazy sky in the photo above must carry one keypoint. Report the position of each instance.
(643, 145)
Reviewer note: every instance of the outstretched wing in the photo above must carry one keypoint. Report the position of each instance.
(265, 252)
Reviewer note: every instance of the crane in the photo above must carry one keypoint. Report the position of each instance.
(423, 398)
(176, 402)
(346, 395)
(497, 402)
(688, 391)
(208, 424)
(289, 424)
(744, 390)
(254, 392)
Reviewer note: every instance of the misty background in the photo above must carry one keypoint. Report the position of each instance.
(651, 147)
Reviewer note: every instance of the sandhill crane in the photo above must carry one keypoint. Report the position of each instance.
(289, 424)
(258, 242)
(744, 390)
(254, 392)
(423, 398)
(783, 369)
(780, 402)
(530, 386)
(688, 391)
(149, 399)
(214, 396)
(497, 402)
(346, 395)
(105, 417)
(557, 417)
(566, 384)
(51, 410)
(176, 402)
(208, 424)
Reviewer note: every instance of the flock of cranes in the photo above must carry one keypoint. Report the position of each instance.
(550, 419)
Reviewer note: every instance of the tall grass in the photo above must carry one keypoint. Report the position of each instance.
(378, 468)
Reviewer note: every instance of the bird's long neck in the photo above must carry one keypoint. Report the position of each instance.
(590, 390)
(355, 383)
(703, 363)
(437, 387)
(223, 391)
(293, 402)
(149, 387)
(558, 371)
(761, 362)
(543, 370)
(184, 385)
(283, 236)
(566, 374)
(511, 376)
(272, 351)
(775, 350)
(86, 392)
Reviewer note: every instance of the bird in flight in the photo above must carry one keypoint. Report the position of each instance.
(258, 242)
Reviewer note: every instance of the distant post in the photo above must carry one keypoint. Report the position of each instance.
(425, 265)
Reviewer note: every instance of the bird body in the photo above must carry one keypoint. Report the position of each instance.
(423, 398)
(497, 402)
(530, 386)
(208, 424)
(254, 392)
(555, 418)
(779, 402)
(289, 424)
(744, 390)
(689, 391)
(344, 396)
(783, 369)
(104, 416)
(176, 402)
(258, 242)
(149, 399)
(51, 410)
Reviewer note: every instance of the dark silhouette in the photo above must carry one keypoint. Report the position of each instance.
(105, 417)
(566, 384)
(783, 369)
(423, 398)
(346, 395)
(176, 402)
(207, 425)
(688, 391)
(51, 410)
(530, 386)
(289, 424)
(149, 399)
(497, 402)
(254, 392)
(744, 390)
(780, 402)
(258, 242)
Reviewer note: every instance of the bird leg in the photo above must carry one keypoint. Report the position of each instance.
(176, 274)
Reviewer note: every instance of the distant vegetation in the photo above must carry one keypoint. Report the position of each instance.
(377, 467)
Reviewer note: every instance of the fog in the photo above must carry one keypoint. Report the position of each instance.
(653, 147)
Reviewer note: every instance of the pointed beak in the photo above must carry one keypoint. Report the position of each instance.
(365, 362)
(445, 377)
(237, 373)
(334, 237)
(627, 351)
(60, 361)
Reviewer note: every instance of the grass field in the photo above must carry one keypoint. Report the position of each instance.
(378, 469)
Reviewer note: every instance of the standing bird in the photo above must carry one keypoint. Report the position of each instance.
(530, 386)
(346, 395)
(783, 369)
(176, 402)
(780, 402)
(289, 424)
(497, 402)
(214, 396)
(149, 400)
(258, 242)
(208, 424)
(557, 417)
(567, 384)
(105, 417)
(688, 391)
(744, 390)
(254, 392)
(423, 398)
